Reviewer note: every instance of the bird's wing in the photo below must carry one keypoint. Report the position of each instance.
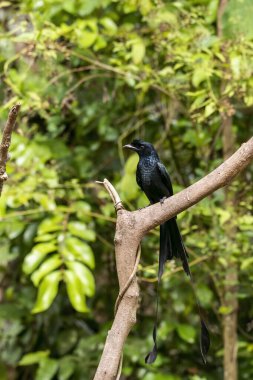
(165, 177)
(138, 179)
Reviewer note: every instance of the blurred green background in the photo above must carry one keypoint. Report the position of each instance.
(90, 77)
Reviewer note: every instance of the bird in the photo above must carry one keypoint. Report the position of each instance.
(154, 180)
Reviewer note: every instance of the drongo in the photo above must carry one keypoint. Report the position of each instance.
(154, 180)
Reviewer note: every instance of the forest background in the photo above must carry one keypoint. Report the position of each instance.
(90, 77)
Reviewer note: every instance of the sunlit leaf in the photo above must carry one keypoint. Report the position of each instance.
(34, 258)
(87, 39)
(138, 51)
(246, 263)
(79, 229)
(81, 250)
(50, 225)
(47, 369)
(225, 309)
(48, 266)
(85, 276)
(186, 332)
(45, 237)
(33, 357)
(75, 291)
(109, 25)
(47, 292)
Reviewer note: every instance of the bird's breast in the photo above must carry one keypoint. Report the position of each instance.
(147, 169)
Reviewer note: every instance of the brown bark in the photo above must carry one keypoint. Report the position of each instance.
(221, 9)
(230, 299)
(6, 142)
(4, 148)
(132, 226)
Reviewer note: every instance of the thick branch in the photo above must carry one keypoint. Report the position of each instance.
(131, 227)
(6, 142)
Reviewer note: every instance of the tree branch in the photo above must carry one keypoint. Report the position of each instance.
(6, 142)
(131, 227)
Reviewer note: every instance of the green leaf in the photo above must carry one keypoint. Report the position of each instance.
(82, 251)
(145, 6)
(75, 291)
(50, 225)
(48, 266)
(225, 310)
(109, 25)
(33, 357)
(246, 263)
(186, 332)
(224, 215)
(209, 109)
(45, 201)
(79, 229)
(85, 276)
(204, 294)
(66, 368)
(86, 6)
(199, 75)
(47, 292)
(138, 51)
(34, 258)
(47, 369)
(87, 39)
(46, 237)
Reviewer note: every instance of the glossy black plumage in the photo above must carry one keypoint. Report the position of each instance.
(154, 180)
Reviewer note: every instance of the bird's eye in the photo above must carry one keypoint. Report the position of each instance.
(142, 147)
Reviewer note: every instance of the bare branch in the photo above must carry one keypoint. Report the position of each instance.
(6, 142)
(113, 194)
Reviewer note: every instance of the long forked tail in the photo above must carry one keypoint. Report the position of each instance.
(171, 245)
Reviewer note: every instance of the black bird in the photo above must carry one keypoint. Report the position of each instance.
(154, 180)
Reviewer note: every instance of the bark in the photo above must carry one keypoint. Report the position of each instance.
(4, 148)
(131, 227)
(231, 274)
(6, 142)
(230, 301)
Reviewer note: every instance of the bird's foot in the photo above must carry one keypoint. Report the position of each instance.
(162, 200)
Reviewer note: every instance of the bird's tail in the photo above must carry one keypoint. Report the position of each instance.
(171, 245)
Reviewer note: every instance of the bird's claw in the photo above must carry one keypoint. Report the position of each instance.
(162, 200)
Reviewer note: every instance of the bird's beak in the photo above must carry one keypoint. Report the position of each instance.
(129, 146)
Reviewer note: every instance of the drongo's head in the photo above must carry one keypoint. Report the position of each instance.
(143, 148)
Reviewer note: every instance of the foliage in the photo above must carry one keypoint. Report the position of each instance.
(90, 75)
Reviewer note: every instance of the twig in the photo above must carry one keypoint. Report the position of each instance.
(113, 194)
(6, 142)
